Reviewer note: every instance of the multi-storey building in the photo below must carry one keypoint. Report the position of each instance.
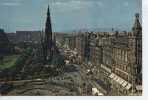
(127, 61)
(12, 37)
(120, 67)
(28, 36)
(100, 58)
(80, 47)
(117, 59)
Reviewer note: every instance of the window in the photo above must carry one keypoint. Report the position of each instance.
(125, 68)
(123, 55)
(126, 56)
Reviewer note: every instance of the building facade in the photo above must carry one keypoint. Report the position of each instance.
(115, 58)
(26, 36)
(127, 65)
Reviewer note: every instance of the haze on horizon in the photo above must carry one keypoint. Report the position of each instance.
(68, 15)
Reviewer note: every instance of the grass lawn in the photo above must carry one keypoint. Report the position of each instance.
(8, 61)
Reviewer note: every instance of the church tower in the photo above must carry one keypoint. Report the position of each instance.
(48, 37)
(137, 28)
(135, 45)
(137, 32)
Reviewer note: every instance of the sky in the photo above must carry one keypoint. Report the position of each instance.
(68, 15)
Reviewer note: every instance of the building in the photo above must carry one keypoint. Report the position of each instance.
(12, 37)
(48, 42)
(26, 36)
(120, 65)
(100, 58)
(126, 76)
(48, 39)
(115, 59)
(80, 47)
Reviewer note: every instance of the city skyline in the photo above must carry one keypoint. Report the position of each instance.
(45, 63)
(68, 15)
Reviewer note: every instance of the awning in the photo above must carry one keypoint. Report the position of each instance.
(124, 83)
(112, 75)
(118, 80)
(115, 78)
(121, 81)
(128, 86)
(139, 87)
(106, 68)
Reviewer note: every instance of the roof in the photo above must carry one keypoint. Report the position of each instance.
(137, 24)
(139, 87)
(121, 81)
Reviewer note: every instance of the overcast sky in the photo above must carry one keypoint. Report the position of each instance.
(68, 15)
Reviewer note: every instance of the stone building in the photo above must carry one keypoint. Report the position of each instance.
(72, 44)
(120, 65)
(117, 60)
(70, 41)
(80, 47)
(48, 39)
(100, 58)
(26, 36)
(126, 76)
(12, 37)
(105, 67)
(95, 55)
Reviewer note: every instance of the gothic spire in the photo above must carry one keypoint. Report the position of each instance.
(48, 12)
(137, 25)
(48, 35)
(48, 22)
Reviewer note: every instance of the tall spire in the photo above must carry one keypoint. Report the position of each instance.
(137, 26)
(48, 12)
(48, 22)
(48, 35)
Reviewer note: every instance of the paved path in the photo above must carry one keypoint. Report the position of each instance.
(89, 81)
(22, 81)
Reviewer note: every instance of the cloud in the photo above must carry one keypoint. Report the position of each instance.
(125, 4)
(68, 6)
(72, 5)
(11, 4)
(100, 4)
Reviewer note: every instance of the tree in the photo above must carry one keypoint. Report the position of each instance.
(1, 59)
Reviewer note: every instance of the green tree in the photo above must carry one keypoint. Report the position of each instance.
(1, 59)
